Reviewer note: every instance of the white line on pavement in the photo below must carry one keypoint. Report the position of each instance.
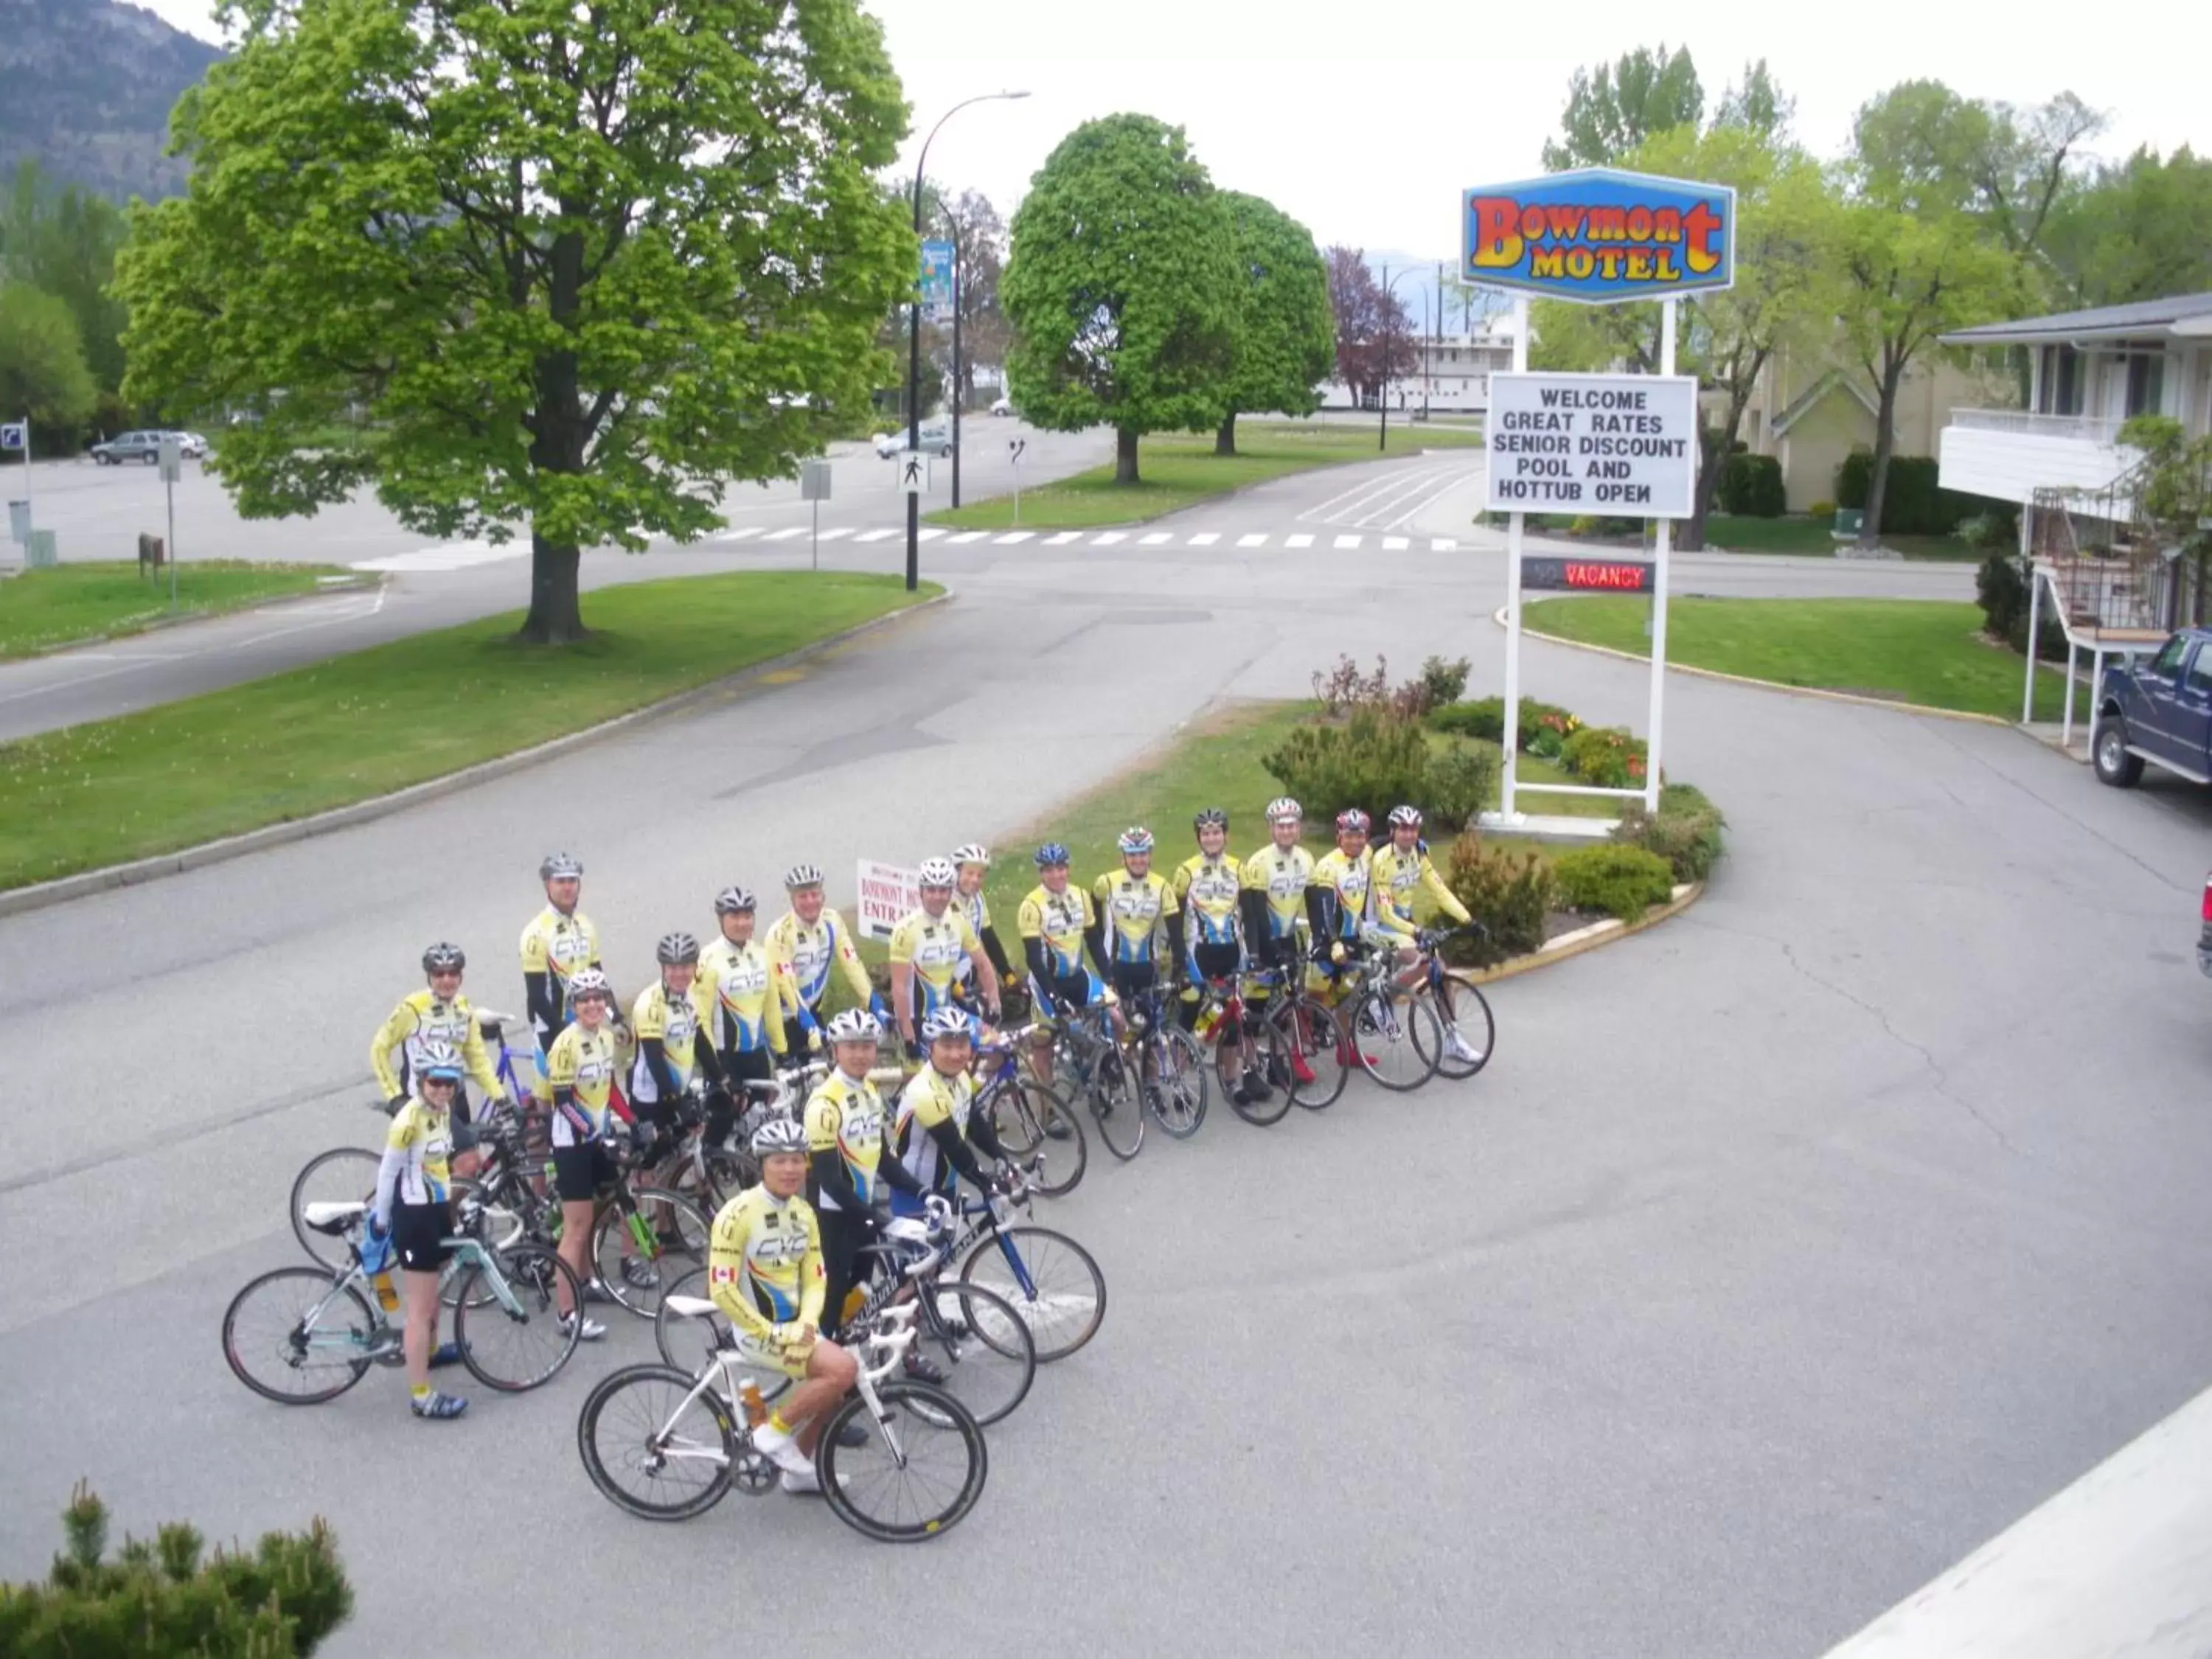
(1207, 539)
(784, 535)
(875, 535)
(1394, 544)
(745, 534)
(1346, 544)
(1443, 544)
(965, 537)
(1063, 538)
(1298, 541)
(1109, 538)
(832, 535)
(1013, 538)
(1157, 538)
(929, 535)
(1251, 541)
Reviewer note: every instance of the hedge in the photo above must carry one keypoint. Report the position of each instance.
(1752, 485)
(1913, 504)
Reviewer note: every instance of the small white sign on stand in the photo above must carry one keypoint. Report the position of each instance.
(913, 471)
(888, 893)
(1615, 445)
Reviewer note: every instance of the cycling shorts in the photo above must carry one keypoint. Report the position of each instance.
(578, 1172)
(1083, 988)
(420, 1233)
(764, 1354)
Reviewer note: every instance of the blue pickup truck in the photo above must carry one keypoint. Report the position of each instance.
(2158, 711)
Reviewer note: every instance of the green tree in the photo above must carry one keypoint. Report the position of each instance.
(1758, 106)
(1614, 107)
(1122, 287)
(2134, 231)
(1286, 333)
(42, 369)
(65, 241)
(581, 268)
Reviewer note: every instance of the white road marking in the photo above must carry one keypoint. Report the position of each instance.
(445, 555)
(1251, 541)
(833, 535)
(1013, 538)
(1394, 544)
(929, 535)
(1157, 538)
(1346, 544)
(1109, 538)
(1443, 544)
(1298, 541)
(1063, 538)
(1205, 538)
(965, 537)
(875, 535)
(745, 534)
(785, 534)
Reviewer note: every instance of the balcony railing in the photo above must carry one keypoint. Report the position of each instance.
(2082, 429)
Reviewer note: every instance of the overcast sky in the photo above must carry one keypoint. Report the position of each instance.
(1366, 120)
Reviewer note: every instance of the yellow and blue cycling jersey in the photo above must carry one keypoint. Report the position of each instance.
(418, 1022)
(803, 958)
(1341, 874)
(935, 947)
(1058, 921)
(738, 983)
(557, 944)
(764, 1265)
(845, 1115)
(1133, 908)
(930, 1098)
(1395, 879)
(421, 1143)
(582, 1062)
(1281, 875)
(676, 1022)
(1208, 888)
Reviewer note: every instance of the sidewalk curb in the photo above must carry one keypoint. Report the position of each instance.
(17, 901)
(1590, 939)
(1812, 691)
(362, 582)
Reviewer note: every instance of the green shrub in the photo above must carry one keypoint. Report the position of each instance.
(1609, 757)
(1619, 881)
(160, 1599)
(1510, 894)
(1459, 781)
(1752, 484)
(1686, 831)
(2000, 590)
(1821, 510)
(1485, 718)
(1913, 504)
(1444, 682)
(1378, 759)
(1993, 531)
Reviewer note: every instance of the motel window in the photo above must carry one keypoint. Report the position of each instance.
(2063, 381)
(2146, 381)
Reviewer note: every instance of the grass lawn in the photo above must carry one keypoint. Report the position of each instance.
(1796, 534)
(40, 610)
(1180, 470)
(1913, 650)
(376, 720)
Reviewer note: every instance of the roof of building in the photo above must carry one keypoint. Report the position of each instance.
(1812, 396)
(2143, 317)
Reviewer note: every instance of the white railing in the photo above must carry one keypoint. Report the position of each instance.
(2083, 428)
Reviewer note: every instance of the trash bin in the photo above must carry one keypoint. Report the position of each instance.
(1848, 520)
(19, 523)
(41, 555)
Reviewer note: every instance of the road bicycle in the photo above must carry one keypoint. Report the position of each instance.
(1294, 1037)
(303, 1335)
(1032, 1119)
(664, 1443)
(1049, 1278)
(1470, 1031)
(1087, 1050)
(1169, 1065)
(970, 1335)
(1391, 1033)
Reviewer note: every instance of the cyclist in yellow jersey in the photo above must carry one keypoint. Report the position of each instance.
(765, 1272)
(1131, 909)
(926, 948)
(1056, 921)
(579, 1072)
(972, 862)
(846, 1170)
(439, 1015)
(674, 1057)
(410, 1216)
(1209, 884)
(935, 1131)
(1402, 870)
(804, 946)
(1336, 898)
(739, 987)
(1273, 907)
(558, 943)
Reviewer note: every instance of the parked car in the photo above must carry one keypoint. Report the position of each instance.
(191, 446)
(936, 439)
(2158, 712)
(2204, 940)
(1003, 406)
(143, 447)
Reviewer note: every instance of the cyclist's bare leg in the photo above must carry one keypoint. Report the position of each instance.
(576, 1215)
(830, 1372)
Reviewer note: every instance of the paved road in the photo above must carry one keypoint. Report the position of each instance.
(1362, 513)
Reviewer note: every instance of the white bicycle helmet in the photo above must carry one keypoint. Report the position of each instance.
(936, 872)
(733, 901)
(1134, 840)
(589, 983)
(801, 875)
(439, 1063)
(948, 1023)
(1405, 814)
(779, 1134)
(560, 866)
(1283, 807)
(855, 1025)
(675, 949)
(973, 852)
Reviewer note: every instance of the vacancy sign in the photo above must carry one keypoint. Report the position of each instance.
(1611, 445)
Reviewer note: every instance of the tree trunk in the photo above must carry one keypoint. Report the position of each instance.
(1712, 455)
(556, 617)
(1125, 455)
(1885, 440)
(1225, 441)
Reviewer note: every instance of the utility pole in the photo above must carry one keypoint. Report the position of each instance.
(953, 226)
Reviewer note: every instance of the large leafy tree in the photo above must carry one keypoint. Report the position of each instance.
(2141, 229)
(579, 264)
(1374, 331)
(63, 240)
(1122, 287)
(1614, 107)
(1286, 334)
(42, 369)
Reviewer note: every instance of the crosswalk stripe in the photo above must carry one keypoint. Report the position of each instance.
(875, 535)
(965, 537)
(746, 533)
(1443, 544)
(834, 535)
(1157, 538)
(444, 556)
(1346, 544)
(1063, 538)
(1109, 537)
(1206, 540)
(784, 535)
(1394, 544)
(1013, 538)
(1251, 541)
(1298, 541)
(929, 535)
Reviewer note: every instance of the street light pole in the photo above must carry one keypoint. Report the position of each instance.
(913, 345)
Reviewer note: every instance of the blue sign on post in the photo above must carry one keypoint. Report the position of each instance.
(937, 281)
(1599, 235)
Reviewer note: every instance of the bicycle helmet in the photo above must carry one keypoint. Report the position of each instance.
(1405, 814)
(439, 1063)
(1050, 854)
(779, 1134)
(855, 1025)
(677, 948)
(801, 875)
(1134, 840)
(560, 866)
(1352, 821)
(936, 872)
(734, 900)
(1211, 818)
(442, 959)
(973, 852)
(1283, 807)
(589, 983)
(948, 1023)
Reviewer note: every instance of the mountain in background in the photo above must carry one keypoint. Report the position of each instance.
(85, 88)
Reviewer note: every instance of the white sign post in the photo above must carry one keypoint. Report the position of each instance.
(16, 434)
(1014, 448)
(814, 486)
(888, 893)
(172, 461)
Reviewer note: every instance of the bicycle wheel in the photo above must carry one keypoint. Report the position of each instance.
(1026, 1114)
(1262, 1046)
(1470, 1031)
(1051, 1281)
(676, 1237)
(344, 1175)
(1311, 1051)
(1115, 1104)
(976, 1339)
(921, 1467)
(515, 1352)
(654, 1451)
(728, 1174)
(1173, 1073)
(1395, 1038)
(688, 1344)
(298, 1336)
